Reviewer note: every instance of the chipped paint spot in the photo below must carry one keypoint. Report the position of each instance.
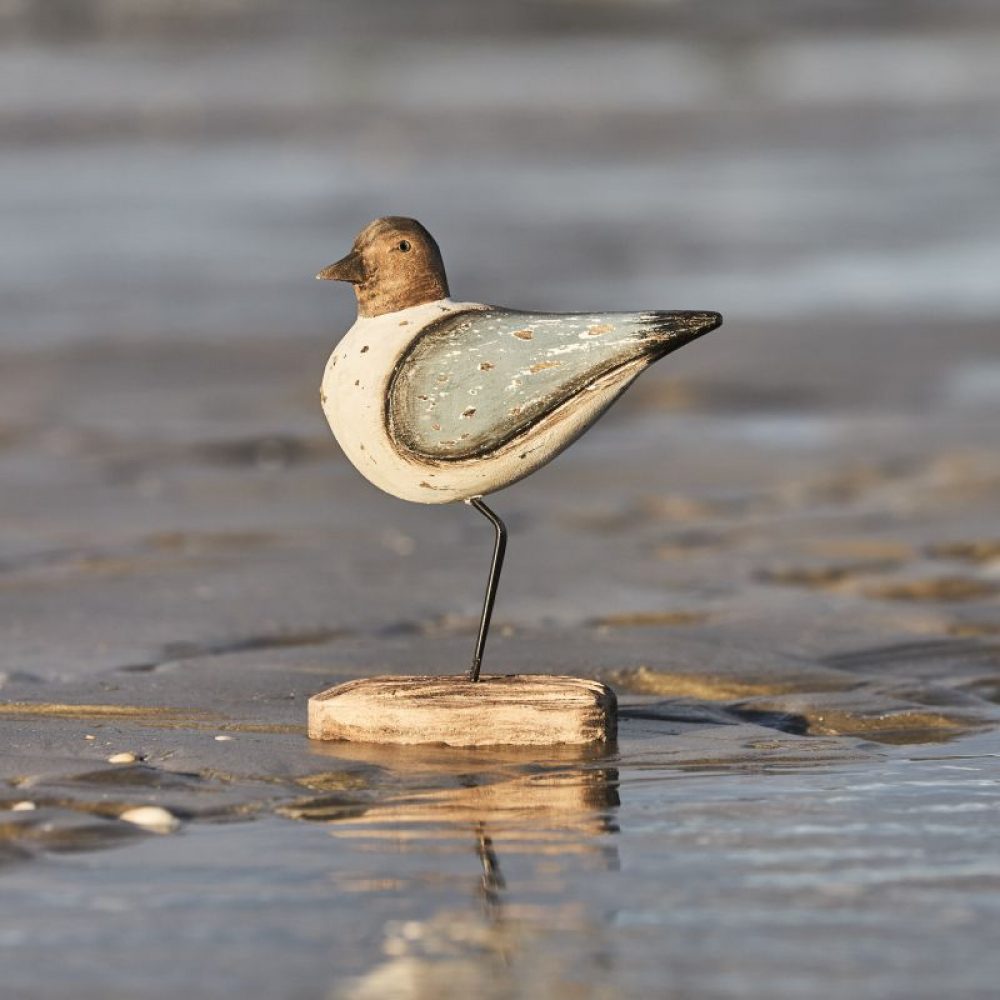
(404, 322)
(361, 446)
(542, 365)
(435, 427)
(486, 366)
(515, 411)
(363, 349)
(322, 395)
(357, 381)
(442, 378)
(469, 411)
(425, 398)
(524, 334)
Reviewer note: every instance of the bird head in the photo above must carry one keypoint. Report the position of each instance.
(394, 264)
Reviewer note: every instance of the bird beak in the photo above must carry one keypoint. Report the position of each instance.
(347, 269)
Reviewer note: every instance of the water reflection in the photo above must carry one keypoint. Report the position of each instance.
(497, 840)
(492, 882)
(444, 792)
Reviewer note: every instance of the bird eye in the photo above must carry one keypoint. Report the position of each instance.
(404, 245)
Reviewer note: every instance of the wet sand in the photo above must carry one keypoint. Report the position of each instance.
(781, 547)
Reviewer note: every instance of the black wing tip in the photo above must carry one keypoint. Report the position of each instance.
(696, 321)
(713, 320)
(671, 330)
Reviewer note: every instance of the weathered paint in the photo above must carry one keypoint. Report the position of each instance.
(437, 401)
(394, 264)
(358, 387)
(473, 381)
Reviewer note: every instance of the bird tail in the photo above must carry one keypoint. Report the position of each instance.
(671, 330)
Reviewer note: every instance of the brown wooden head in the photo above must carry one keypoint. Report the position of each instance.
(394, 264)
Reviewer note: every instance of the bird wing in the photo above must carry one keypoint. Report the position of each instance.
(474, 380)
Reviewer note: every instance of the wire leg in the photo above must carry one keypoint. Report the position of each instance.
(491, 585)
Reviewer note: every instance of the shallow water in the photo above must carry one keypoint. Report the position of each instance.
(615, 877)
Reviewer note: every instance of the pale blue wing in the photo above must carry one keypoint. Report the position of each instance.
(476, 379)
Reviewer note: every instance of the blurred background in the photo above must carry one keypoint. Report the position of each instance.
(173, 174)
(178, 170)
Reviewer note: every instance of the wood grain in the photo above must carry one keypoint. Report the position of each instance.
(514, 710)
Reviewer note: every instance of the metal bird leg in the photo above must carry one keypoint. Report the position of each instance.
(491, 584)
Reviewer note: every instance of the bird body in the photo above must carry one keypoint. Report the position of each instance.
(444, 400)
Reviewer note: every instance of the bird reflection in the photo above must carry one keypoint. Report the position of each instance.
(492, 880)
(491, 885)
(510, 810)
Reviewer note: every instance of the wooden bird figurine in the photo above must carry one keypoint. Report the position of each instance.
(436, 401)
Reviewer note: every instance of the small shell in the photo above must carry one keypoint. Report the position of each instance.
(156, 819)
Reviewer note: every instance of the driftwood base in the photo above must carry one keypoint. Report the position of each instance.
(517, 709)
